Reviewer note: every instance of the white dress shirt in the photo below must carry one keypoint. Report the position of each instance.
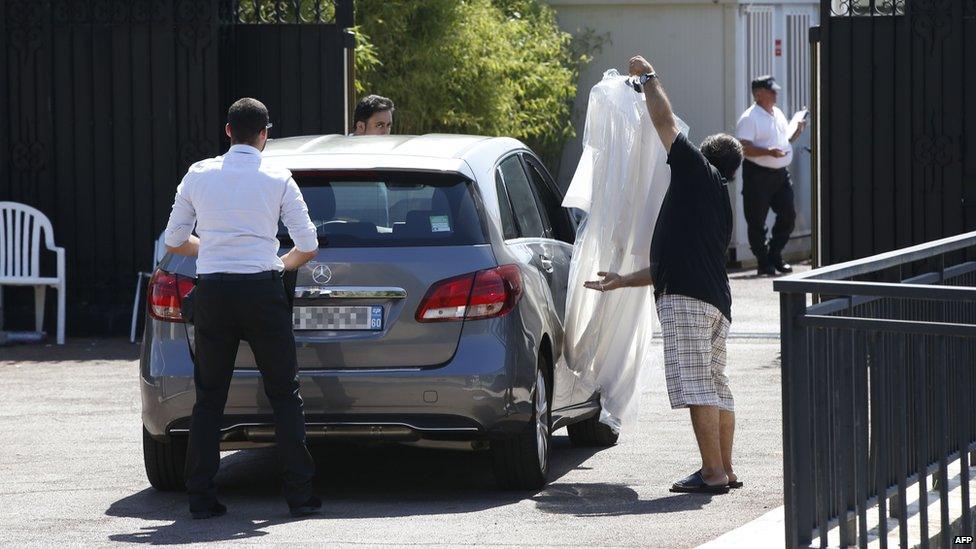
(236, 200)
(766, 130)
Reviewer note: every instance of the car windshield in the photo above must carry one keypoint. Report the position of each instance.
(353, 209)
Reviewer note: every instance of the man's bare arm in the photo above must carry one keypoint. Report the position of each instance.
(754, 151)
(657, 101)
(661, 114)
(613, 281)
(639, 278)
(295, 258)
(189, 248)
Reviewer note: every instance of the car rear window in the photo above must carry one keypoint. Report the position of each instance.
(355, 209)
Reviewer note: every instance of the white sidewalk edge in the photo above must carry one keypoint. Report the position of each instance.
(769, 530)
(765, 532)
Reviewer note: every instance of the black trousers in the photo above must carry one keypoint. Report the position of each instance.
(764, 188)
(258, 312)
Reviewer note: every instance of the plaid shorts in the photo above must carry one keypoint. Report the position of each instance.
(694, 334)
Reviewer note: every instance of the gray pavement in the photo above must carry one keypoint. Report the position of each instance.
(71, 456)
(755, 307)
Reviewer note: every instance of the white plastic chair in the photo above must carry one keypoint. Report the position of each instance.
(20, 249)
(158, 254)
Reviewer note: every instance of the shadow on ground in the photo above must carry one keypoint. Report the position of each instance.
(74, 350)
(611, 500)
(376, 482)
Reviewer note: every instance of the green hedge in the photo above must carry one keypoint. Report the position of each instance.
(489, 67)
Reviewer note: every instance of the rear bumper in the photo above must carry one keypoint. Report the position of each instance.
(242, 430)
(397, 407)
(480, 394)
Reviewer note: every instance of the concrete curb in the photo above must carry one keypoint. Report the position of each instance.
(765, 532)
(768, 531)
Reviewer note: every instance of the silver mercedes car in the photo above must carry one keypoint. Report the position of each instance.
(433, 314)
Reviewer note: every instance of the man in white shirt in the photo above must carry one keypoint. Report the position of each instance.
(766, 184)
(235, 202)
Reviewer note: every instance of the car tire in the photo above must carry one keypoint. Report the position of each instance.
(165, 462)
(592, 433)
(522, 462)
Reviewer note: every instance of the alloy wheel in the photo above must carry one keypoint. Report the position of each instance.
(542, 420)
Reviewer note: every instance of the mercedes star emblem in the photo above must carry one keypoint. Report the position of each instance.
(321, 274)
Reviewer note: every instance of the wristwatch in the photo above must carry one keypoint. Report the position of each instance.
(647, 76)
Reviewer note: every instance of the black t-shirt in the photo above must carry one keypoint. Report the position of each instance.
(693, 231)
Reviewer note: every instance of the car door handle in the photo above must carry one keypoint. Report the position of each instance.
(546, 262)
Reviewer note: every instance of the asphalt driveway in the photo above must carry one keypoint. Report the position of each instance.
(71, 456)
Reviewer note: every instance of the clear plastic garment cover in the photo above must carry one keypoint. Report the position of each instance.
(620, 185)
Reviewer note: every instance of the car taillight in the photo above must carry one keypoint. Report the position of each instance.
(484, 294)
(166, 292)
(446, 300)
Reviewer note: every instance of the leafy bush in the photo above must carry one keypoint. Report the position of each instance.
(490, 67)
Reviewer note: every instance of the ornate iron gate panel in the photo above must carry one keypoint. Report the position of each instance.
(105, 103)
(294, 60)
(898, 123)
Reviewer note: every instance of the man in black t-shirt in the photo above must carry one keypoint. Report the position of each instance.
(691, 287)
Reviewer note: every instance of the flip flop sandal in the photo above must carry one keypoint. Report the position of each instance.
(695, 484)
(735, 484)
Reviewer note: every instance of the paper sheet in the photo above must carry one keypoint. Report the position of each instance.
(798, 116)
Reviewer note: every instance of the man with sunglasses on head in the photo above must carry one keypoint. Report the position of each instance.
(235, 201)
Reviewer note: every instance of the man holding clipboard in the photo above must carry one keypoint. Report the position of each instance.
(767, 139)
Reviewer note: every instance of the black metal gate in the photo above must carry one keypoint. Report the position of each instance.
(104, 104)
(296, 60)
(897, 125)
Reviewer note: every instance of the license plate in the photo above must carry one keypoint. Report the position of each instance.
(363, 317)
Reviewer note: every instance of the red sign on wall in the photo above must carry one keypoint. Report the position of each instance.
(779, 47)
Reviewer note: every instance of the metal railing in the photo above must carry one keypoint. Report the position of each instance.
(879, 382)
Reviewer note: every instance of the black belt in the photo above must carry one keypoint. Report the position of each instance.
(237, 277)
(752, 164)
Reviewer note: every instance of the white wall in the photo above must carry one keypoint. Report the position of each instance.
(685, 43)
